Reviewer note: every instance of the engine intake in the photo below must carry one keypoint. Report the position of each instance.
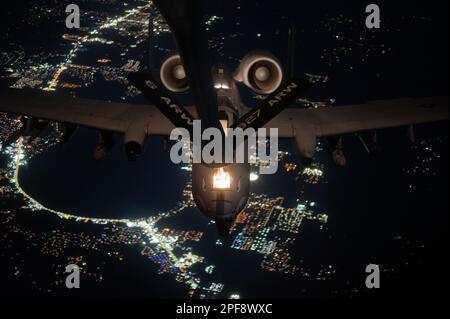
(260, 71)
(173, 75)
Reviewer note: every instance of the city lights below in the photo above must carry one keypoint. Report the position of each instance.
(163, 244)
(312, 172)
(101, 55)
(254, 177)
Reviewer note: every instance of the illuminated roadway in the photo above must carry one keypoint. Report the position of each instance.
(146, 226)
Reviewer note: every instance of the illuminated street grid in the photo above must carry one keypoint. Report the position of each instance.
(267, 227)
(130, 33)
(253, 229)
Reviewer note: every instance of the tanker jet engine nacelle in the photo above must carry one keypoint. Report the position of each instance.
(135, 137)
(173, 75)
(306, 142)
(260, 71)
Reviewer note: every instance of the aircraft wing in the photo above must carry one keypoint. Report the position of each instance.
(329, 121)
(103, 115)
(291, 123)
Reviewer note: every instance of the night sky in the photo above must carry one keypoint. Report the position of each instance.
(369, 202)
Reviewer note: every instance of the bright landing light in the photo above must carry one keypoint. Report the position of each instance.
(221, 179)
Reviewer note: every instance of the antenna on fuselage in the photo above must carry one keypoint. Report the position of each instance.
(290, 61)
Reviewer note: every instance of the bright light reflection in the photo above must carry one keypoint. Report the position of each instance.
(253, 177)
(221, 179)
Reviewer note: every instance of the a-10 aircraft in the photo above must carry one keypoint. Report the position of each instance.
(217, 101)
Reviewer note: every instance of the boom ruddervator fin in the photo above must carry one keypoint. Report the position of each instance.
(162, 99)
(273, 105)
